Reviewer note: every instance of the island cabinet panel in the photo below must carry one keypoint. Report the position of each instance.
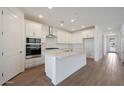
(59, 66)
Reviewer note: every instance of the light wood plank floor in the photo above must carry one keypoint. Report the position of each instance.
(109, 71)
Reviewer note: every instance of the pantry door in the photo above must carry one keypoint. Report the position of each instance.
(1, 65)
(12, 44)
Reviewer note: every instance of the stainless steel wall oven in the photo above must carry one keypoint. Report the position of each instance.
(33, 47)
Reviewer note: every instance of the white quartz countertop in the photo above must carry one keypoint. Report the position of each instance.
(62, 53)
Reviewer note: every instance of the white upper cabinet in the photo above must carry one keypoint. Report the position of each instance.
(44, 32)
(37, 30)
(28, 29)
(63, 36)
(88, 33)
(54, 31)
(77, 37)
(60, 36)
(33, 29)
(67, 37)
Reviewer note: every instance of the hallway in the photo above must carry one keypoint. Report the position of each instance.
(109, 71)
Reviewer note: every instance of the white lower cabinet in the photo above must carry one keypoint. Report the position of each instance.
(34, 62)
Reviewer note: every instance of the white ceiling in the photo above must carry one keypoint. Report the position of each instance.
(108, 17)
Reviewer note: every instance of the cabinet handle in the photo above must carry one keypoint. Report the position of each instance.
(33, 34)
(20, 52)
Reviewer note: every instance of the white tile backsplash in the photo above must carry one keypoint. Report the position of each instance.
(51, 43)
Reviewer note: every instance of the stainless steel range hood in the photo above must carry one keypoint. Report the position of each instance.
(50, 35)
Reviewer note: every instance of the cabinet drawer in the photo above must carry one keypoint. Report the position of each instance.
(33, 62)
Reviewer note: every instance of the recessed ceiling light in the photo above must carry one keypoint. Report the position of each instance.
(82, 26)
(15, 16)
(73, 29)
(61, 24)
(72, 20)
(109, 28)
(40, 16)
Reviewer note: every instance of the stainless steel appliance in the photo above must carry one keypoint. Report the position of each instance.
(33, 47)
(50, 35)
(33, 40)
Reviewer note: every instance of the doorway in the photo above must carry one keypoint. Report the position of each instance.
(88, 46)
(112, 44)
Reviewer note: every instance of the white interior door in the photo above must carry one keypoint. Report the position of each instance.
(1, 48)
(12, 41)
(89, 47)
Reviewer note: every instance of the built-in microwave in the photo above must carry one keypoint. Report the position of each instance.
(33, 40)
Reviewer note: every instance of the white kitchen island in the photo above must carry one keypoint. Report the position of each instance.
(60, 65)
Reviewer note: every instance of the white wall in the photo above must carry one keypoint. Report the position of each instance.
(98, 38)
(122, 43)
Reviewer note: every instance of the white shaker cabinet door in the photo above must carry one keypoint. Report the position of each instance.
(12, 44)
(69, 38)
(61, 36)
(44, 32)
(77, 37)
(33, 29)
(66, 37)
(36, 27)
(28, 29)
(88, 33)
(54, 31)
